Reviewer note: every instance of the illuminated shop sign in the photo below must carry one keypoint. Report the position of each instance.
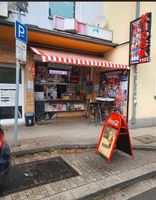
(140, 34)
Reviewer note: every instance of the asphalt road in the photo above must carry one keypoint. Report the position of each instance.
(148, 195)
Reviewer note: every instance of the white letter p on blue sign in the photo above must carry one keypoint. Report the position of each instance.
(21, 32)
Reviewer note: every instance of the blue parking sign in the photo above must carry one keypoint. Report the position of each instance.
(21, 32)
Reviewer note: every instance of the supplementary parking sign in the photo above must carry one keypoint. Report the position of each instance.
(21, 32)
(21, 50)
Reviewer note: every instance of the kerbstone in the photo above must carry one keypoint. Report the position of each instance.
(62, 196)
(136, 189)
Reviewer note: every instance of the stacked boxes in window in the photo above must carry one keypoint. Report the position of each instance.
(39, 110)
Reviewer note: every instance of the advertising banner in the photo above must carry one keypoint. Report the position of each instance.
(140, 34)
(115, 85)
(109, 135)
(115, 134)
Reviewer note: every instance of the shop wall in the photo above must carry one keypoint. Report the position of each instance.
(34, 15)
(84, 12)
(7, 55)
(29, 94)
(7, 52)
(96, 80)
(146, 107)
(146, 104)
(119, 14)
(114, 13)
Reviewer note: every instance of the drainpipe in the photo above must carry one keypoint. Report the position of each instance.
(133, 120)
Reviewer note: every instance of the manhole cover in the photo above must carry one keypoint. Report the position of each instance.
(146, 139)
(32, 174)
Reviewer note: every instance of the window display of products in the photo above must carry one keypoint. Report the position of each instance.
(63, 89)
(60, 107)
(115, 85)
(89, 87)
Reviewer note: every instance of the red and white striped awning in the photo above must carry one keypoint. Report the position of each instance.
(63, 57)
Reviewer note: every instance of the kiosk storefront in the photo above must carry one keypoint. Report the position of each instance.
(63, 81)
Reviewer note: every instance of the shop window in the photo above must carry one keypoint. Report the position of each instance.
(8, 75)
(115, 85)
(64, 9)
(60, 88)
(7, 93)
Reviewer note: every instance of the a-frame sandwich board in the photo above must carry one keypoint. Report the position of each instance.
(114, 134)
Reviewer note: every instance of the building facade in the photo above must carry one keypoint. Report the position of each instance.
(49, 27)
(42, 31)
(41, 13)
(145, 114)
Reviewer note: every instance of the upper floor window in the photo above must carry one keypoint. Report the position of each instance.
(63, 8)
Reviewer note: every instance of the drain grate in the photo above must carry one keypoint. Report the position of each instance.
(146, 139)
(32, 174)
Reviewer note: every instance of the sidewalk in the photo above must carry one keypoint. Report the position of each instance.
(144, 138)
(70, 133)
(95, 175)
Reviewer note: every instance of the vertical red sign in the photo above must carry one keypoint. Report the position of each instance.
(140, 34)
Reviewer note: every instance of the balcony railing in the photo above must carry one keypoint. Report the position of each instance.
(73, 26)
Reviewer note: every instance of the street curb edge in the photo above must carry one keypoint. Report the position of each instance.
(76, 146)
(121, 185)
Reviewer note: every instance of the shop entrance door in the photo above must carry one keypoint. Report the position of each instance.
(7, 95)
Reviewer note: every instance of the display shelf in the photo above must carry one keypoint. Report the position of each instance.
(51, 83)
(57, 84)
(62, 100)
(64, 111)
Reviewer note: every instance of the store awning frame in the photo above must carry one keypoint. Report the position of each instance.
(70, 58)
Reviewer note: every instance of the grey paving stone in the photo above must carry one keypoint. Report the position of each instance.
(71, 183)
(95, 174)
(8, 197)
(15, 196)
(61, 196)
(22, 195)
(39, 196)
(119, 195)
(55, 187)
(67, 185)
(136, 189)
(137, 172)
(81, 191)
(109, 181)
(35, 190)
(94, 187)
(151, 182)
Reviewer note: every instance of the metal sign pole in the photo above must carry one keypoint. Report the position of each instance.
(133, 120)
(17, 93)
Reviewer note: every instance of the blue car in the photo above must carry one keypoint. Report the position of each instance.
(5, 157)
